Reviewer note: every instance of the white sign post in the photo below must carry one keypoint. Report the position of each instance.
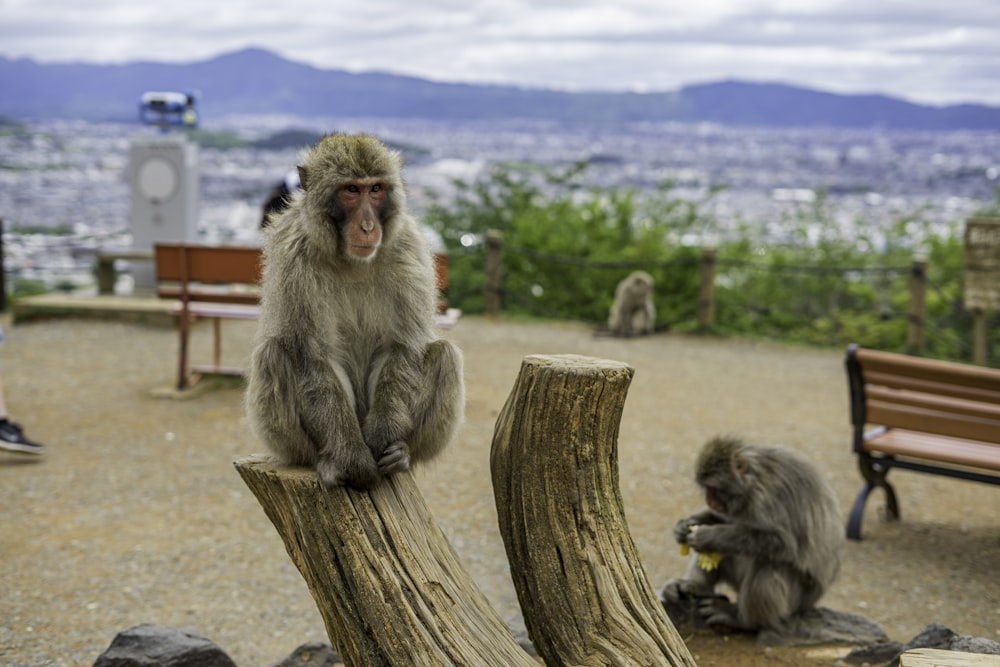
(982, 276)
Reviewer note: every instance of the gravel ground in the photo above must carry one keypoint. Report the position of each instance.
(136, 515)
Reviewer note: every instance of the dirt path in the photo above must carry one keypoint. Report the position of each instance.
(135, 513)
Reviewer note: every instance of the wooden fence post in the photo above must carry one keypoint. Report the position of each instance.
(387, 582)
(494, 269)
(584, 595)
(918, 306)
(706, 293)
(980, 337)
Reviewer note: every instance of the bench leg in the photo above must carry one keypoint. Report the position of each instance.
(874, 473)
(184, 327)
(217, 331)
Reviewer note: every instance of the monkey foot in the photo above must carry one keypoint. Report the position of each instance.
(395, 458)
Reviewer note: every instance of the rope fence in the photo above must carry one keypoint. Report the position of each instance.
(943, 327)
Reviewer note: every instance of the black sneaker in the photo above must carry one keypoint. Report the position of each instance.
(12, 439)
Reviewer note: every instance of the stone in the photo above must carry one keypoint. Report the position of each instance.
(934, 635)
(148, 645)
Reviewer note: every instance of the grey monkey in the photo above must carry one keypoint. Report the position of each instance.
(633, 312)
(776, 525)
(348, 374)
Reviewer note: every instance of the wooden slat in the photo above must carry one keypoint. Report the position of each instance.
(919, 399)
(939, 448)
(953, 386)
(935, 657)
(933, 421)
(209, 369)
(873, 361)
(208, 264)
(218, 295)
(226, 310)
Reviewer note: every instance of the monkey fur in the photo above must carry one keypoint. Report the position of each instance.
(633, 312)
(778, 528)
(348, 374)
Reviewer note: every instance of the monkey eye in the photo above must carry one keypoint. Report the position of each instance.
(353, 188)
(377, 187)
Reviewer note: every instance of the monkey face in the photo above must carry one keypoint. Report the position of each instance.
(714, 500)
(723, 471)
(353, 191)
(640, 290)
(361, 206)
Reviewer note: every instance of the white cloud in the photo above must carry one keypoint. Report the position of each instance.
(917, 49)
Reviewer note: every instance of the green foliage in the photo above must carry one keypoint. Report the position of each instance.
(566, 244)
(24, 287)
(63, 229)
(829, 282)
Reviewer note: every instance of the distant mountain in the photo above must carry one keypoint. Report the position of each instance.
(260, 82)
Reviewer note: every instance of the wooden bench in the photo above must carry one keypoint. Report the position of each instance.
(216, 282)
(220, 282)
(930, 416)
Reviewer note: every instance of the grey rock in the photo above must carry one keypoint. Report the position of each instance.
(149, 645)
(934, 635)
(979, 645)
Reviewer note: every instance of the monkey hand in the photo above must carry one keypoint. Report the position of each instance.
(683, 528)
(719, 612)
(708, 560)
(702, 538)
(678, 589)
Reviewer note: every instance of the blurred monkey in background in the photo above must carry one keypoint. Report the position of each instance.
(633, 312)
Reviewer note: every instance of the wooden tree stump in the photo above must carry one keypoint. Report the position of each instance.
(585, 597)
(387, 582)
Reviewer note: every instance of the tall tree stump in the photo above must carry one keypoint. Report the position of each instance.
(388, 584)
(585, 597)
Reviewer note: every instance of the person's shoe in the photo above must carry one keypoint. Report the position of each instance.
(12, 439)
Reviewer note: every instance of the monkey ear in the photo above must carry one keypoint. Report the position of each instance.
(302, 177)
(740, 464)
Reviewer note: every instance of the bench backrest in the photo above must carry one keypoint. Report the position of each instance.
(184, 263)
(180, 265)
(927, 395)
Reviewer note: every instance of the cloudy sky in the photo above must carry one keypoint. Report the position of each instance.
(925, 51)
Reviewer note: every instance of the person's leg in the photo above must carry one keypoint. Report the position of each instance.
(12, 438)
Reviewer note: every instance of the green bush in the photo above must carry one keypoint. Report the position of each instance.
(566, 244)
(24, 287)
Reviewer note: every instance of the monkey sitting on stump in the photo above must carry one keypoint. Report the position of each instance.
(633, 312)
(348, 374)
(776, 527)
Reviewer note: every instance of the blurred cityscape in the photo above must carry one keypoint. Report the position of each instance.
(72, 177)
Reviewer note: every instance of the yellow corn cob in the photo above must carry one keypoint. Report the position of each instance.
(707, 561)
